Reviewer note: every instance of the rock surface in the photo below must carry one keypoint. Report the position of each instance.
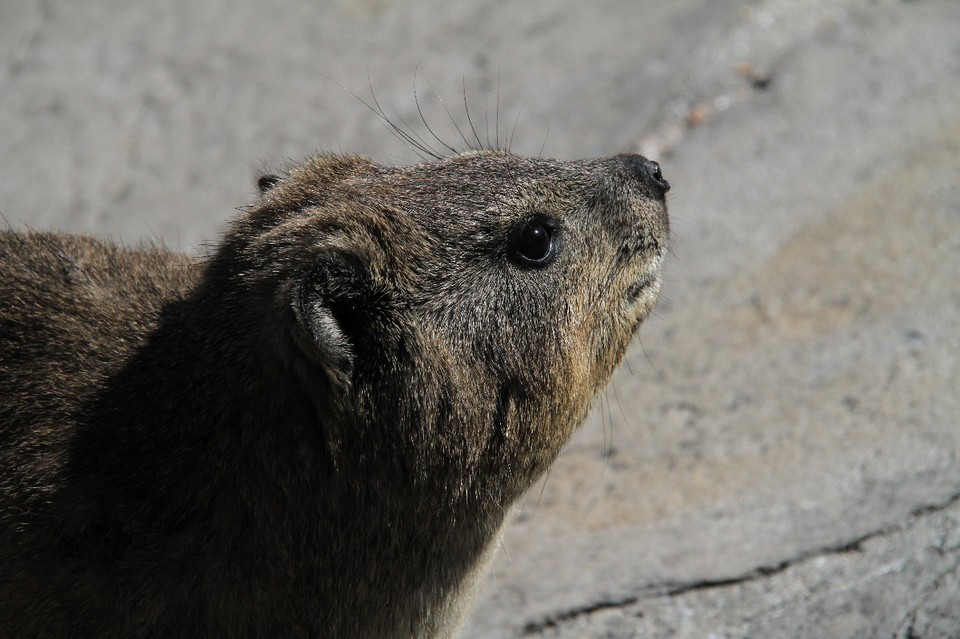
(780, 454)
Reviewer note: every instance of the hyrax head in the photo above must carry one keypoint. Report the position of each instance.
(453, 320)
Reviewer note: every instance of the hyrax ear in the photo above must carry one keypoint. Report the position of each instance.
(331, 306)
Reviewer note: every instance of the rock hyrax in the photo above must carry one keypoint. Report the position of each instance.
(315, 431)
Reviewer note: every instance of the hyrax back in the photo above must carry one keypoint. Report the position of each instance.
(317, 430)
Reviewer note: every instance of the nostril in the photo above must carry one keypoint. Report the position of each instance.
(646, 170)
(654, 170)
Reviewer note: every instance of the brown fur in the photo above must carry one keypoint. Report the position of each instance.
(317, 430)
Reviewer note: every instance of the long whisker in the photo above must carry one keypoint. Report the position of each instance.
(416, 99)
(545, 137)
(421, 151)
(516, 120)
(466, 109)
(453, 120)
(413, 138)
(496, 122)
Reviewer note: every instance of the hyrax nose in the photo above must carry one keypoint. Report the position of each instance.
(646, 171)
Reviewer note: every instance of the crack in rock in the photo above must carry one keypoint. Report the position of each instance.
(908, 628)
(854, 545)
(674, 589)
(552, 621)
(760, 572)
(908, 625)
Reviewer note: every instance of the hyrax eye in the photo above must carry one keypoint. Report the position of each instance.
(534, 244)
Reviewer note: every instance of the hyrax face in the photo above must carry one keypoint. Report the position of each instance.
(455, 318)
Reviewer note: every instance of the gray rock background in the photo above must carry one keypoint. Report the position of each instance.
(779, 456)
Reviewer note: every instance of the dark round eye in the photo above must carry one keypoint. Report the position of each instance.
(534, 244)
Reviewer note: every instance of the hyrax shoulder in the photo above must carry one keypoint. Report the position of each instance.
(316, 430)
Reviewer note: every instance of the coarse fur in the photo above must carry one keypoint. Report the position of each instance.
(317, 430)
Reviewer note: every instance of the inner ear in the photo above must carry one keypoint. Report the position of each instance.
(331, 304)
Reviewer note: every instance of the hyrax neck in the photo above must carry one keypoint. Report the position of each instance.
(226, 460)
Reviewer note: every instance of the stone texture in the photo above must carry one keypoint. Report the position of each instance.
(780, 454)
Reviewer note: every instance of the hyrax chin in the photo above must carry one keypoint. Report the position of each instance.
(318, 429)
